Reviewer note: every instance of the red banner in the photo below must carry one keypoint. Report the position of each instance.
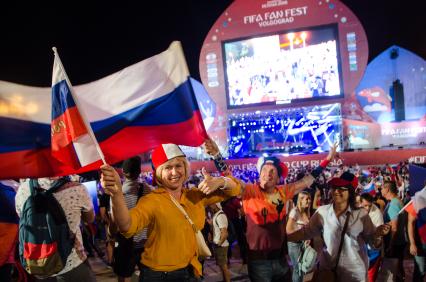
(375, 157)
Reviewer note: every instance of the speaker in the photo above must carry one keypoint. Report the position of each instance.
(394, 53)
(398, 103)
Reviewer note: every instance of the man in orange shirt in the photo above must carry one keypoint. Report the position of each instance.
(263, 204)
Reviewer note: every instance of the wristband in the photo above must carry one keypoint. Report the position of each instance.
(225, 185)
(219, 162)
(324, 163)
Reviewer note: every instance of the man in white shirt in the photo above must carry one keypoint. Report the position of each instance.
(220, 233)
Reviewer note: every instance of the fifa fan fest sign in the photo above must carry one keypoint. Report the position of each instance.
(266, 55)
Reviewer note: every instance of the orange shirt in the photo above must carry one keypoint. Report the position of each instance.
(171, 243)
(265, 230)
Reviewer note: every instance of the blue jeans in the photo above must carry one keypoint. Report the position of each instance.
(295, 251)
(267, 270)
(180, 275)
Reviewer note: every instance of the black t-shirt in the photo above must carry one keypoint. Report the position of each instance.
(104, 201)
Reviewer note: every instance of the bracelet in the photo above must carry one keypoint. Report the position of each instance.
(226, 181)
(215, 156)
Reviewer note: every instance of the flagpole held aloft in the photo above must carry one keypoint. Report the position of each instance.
(77, 103)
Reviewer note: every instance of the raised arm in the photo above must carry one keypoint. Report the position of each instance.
(307, 181)
(111, 183)
(211, 148)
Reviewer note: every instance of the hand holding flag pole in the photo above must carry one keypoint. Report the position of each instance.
(73, 140)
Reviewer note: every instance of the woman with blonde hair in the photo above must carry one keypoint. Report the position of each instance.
(172, 214)
(298, 217)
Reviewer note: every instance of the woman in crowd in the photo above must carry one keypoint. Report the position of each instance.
(171, 248)
(298, 217)
(330, 221)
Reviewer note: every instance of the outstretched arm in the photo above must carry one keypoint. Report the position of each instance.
(212, 149)
(218, 189)
(312, 229)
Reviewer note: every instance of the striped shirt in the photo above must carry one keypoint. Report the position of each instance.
(131, 196)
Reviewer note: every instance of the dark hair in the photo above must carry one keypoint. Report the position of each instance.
(132, 167)
(367, 197)
(352, 198)
(392, 186)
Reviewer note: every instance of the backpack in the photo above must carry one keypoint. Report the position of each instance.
(307, 259)
(45, 239)
(232, 234)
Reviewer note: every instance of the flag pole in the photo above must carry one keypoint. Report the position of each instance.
(82, 113)
(403, 209)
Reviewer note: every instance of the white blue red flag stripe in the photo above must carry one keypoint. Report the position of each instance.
(370, 188)
(71, 141)
(417, 207)
(130, 112)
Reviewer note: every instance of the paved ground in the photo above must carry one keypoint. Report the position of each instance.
(211, 273)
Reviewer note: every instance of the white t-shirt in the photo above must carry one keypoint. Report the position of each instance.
(353, 263)
(299, 221)
(219, 221)
(376, 215)
(74, 199)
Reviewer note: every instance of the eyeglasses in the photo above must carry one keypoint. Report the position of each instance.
(341, 188)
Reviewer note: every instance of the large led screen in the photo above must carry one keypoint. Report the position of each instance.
(303, 130)
(283, 68)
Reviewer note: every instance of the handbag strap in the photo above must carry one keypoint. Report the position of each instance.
(179, 206)
(342, 238)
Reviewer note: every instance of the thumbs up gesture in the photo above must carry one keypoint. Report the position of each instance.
(210, 183)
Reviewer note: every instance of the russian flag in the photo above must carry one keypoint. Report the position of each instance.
(72, 143)
(370, 188)
(8, 220)
(417, 208)
(132, 111)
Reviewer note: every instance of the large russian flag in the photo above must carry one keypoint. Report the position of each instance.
(130, 112)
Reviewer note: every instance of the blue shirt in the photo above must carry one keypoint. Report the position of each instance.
(392, 210)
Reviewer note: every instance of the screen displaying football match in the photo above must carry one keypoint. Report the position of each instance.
(283, 68)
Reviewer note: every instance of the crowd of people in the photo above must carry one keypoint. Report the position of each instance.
(342, 223)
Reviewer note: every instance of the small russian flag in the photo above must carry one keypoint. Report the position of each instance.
(73, 143)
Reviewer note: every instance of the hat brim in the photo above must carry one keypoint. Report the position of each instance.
(340, 183)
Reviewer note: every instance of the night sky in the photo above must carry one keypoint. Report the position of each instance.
(98, 38)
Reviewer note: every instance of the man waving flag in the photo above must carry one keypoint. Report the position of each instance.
(72, 139)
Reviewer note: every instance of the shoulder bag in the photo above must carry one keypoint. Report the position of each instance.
(203, 249)
(330, 275)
